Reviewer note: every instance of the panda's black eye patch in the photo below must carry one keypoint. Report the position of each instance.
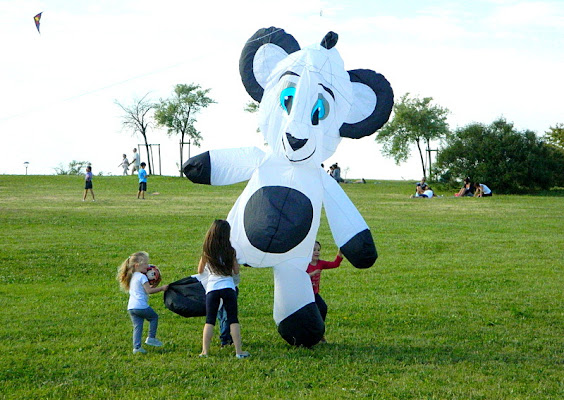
(290, 73)
(328, 91)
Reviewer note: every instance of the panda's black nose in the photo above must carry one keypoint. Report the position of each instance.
(295, 143)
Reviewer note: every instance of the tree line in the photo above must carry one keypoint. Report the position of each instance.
(509, 160)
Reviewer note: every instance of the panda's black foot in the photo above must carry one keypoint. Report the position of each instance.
(305, 327)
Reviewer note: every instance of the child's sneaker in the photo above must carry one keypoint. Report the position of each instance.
(140, 350)
(244, 354)
(153, 342)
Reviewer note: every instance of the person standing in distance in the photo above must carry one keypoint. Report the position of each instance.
(136, 161)
(142, 182)
(88, 183)
(124, 164)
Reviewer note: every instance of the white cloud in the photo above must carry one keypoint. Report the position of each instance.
(529, 14)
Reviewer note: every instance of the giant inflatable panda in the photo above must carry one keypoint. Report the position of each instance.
(308, 102)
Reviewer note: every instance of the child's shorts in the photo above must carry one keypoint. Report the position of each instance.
(88, 185)
(142, 186)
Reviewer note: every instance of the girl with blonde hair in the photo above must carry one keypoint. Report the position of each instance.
(131, 277)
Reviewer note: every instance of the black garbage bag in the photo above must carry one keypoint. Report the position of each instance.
(186, 297)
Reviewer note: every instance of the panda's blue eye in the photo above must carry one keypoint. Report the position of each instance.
(286, 98)
(320, 110)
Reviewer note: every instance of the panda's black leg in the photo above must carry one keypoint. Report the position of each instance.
(295, 312)
(305, 327)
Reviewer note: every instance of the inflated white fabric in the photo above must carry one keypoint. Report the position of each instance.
(266, 59)
(315, 66)
(344, 219)
(308, 95)
(364, 103)
(234, 165)
(315, 73)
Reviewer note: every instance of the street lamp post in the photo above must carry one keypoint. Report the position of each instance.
(26, 163)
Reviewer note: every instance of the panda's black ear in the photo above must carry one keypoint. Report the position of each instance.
(330, 40)
(373, 99)
(261, 54)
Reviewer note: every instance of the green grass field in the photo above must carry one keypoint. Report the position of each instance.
(465, 301)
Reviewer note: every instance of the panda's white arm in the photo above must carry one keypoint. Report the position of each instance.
(223, 167)
(350, 231)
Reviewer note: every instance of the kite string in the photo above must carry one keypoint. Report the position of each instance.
(262, 37)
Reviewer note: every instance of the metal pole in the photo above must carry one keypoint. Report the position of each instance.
(152, 158)
(429, 155)
(430, 151)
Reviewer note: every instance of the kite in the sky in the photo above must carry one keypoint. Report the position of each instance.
(37, 18)
(308, 102)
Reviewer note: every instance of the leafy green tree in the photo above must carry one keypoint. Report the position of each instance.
(137, 118)
(74, 168)
(555, 136)
(415, 121)
(507, 160)
(252, 107)
(177, 113)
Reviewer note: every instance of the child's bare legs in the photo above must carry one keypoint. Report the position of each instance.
(86, 192)
(236, 335)
(206, 339)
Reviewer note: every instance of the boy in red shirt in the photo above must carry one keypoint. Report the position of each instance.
(314, 271)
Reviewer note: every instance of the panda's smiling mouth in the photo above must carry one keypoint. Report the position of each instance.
(296, 144)
(303, 159)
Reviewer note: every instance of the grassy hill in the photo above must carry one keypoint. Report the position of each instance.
(465, 301)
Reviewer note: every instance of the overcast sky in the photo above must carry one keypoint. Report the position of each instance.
(480, 59)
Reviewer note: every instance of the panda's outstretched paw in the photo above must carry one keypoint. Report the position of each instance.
(360, 250)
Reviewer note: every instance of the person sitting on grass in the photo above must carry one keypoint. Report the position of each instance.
(482, 190)
(425, 194)
(422, 190)
(467, 190)
(420, 187)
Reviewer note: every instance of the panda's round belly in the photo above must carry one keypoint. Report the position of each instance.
(277, 218)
